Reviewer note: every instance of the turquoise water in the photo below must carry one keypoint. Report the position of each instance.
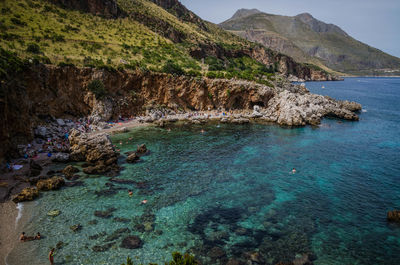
(231, 188)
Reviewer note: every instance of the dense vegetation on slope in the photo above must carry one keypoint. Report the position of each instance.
(134, 34)
(309, 40)
(58, 35)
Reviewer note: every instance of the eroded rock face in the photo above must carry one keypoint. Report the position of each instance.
(96, 149)
(53, 183)
(394, 216)
(27, 194)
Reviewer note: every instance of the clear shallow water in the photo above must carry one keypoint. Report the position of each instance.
(231, 188)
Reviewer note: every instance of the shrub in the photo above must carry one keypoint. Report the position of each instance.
(211, 75)
(97, 87)
(18, 22)
(172, 68)
(33, 48)
(193, 73)
(64, 64)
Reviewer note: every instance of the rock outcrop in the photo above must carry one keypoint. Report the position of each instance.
(69, 171)
(53, 183)
(27, 194)
(295, 109)
(97, 150)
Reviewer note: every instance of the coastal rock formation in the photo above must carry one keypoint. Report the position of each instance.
(27, 194)
(294, 109)
(128, 93)
(53, 183)
(95, 149)
(394, 216)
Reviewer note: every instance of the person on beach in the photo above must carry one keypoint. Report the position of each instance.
(22, 237)
(51, 256)
(38, 236)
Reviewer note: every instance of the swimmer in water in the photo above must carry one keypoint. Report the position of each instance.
(22, 237)
(202, 131)
(143, 202)
(293, 171)
(130, 193)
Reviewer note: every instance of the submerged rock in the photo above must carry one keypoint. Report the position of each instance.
(216, 253)
(54, 213)
(132, 158)
(27, 194)
(53, 183)
(105, 214)
(102, 248)
(131, 242)
(117, 234)
(393, 216)
(76, 227)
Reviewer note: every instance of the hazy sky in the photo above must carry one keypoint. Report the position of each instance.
(374, 22)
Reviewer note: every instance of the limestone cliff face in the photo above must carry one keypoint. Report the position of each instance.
(46, 92)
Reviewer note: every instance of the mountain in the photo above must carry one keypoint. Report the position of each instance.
(309, 40)
(157, 35)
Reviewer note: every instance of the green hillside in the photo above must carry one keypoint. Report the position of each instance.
(141, 35)
(309, 40)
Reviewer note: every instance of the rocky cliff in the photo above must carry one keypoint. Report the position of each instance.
(48, 92)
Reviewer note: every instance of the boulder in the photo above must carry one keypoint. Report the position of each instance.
(131, 242)
(60, 157)
(60, 122)
(27, 194)
(53, 183)
(393, 216)
(96, 149)
(41, 132)
(142, 149)
(120, 130)
(69, 171)
(132, 158)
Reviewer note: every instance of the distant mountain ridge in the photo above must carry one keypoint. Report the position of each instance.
(310, 40)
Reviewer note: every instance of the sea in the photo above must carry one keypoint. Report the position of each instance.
(229, 193)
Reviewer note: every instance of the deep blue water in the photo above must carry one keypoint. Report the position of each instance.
(231, 188)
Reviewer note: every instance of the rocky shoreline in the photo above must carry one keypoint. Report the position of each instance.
(87, 139)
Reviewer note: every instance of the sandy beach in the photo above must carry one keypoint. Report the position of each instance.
(8, 229)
